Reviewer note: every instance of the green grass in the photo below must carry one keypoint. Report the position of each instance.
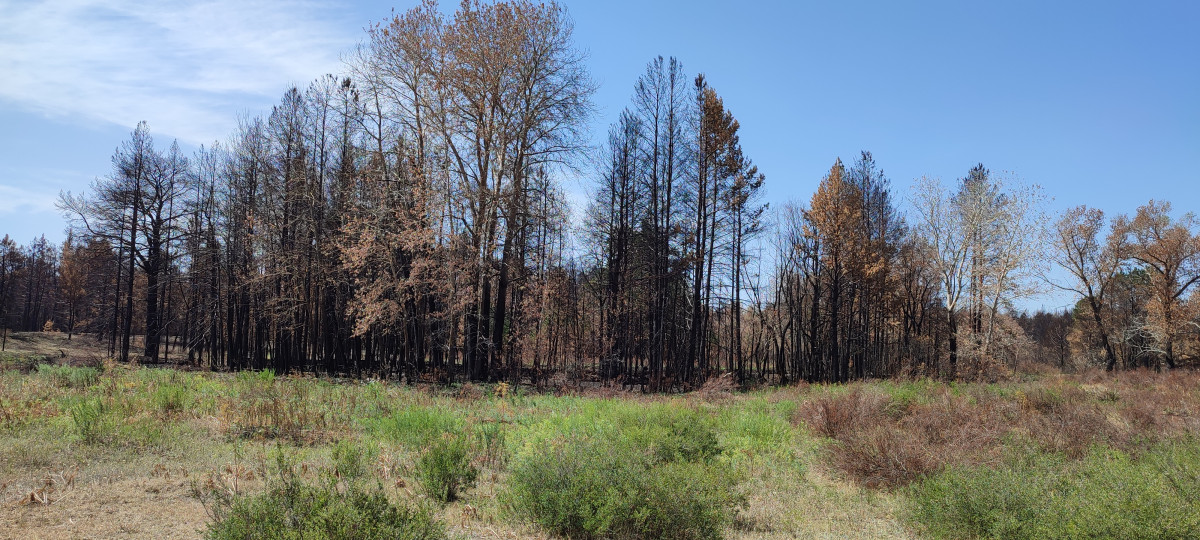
(618, 470)
(321, 509)
(417, 426)
(757, 434)
(69, 377)
(445, 468)
(1107, 494)
(380, 458)
(93, 420)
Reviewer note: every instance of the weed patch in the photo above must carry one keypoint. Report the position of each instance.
(23, 363)
(292, 508)
(445, 468)
(417, 426)
(1107, 494)
(93, 421)
(656, 477)
(267, 408)
(170, 399)
(68, 376)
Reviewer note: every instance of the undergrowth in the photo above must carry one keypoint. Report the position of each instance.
(329, 507)
(608, 474)
(445, 468)
(887, 435)
(1106, 494)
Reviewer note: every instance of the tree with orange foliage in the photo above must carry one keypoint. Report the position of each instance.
(1169, 249)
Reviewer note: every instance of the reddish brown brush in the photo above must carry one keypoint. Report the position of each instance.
(838, 416)
(717, 388)
(884, 443)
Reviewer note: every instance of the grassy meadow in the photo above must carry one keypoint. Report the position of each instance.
(89, 448)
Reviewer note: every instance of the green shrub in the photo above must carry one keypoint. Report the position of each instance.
(650, 477)
(686, 500)
(490, 437)
(445, 468)
(1105, 495)
(171, 398)
(261, 378)
(293, 509)
(92, 420)
(70, 377)
(350, 461)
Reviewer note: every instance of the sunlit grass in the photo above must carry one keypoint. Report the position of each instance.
(863, 460)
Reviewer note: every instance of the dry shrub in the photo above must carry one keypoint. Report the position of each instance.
(983, 368)
(1048, 399)
(1124, 411)
(1140, 378)
(469, 393)
(1091, 375)
(839, 416)
(883, 441)
(971, 429)
(717, 388)
(950, 430)
(1066, 418)
(93, 360)
(1039, 369)
(1144, 415)
(1157, 405)
(601, 391)
(558, 380)
(885, 456)
(791, 393)
(1073, 428)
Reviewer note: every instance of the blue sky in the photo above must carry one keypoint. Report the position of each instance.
(1098, 102)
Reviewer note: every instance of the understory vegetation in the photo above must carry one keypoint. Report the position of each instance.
(330, 507)
(264, 455)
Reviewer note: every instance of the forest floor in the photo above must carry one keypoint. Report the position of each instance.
(93, 449)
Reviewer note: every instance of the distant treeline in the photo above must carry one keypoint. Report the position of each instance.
(406, 219)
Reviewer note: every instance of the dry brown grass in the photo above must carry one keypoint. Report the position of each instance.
(881, 442)
(815, 504)
(270, 411)
(88, 493)
(125, 508)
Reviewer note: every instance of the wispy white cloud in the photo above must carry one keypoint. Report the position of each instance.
(187, 67)
(14, 199)
(31, 190)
